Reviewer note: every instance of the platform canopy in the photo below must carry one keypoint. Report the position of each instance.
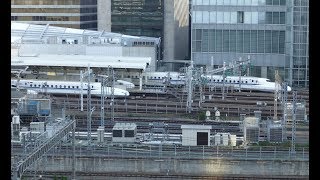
(38, 33)
(50, 60)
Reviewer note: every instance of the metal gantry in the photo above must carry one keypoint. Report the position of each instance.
(198, 72)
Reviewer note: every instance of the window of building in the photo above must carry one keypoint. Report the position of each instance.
(117, 133)
(129, 133)
(240, 18)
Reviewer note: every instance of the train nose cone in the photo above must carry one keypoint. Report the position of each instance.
(288, 88)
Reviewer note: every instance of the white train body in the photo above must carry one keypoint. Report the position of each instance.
(65, 87)
(247, 82)
(127, 84)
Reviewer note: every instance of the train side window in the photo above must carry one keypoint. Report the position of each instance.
(238, 81)
(60, 86)
(30, 85)
(68, 86)
(77, 87)
(252, 80)
(234, 81)
(230, 81)
(256, 81)
(158, 77)
(72, 86)
(52, 86)
(214, 80)
(170, 77)
(92, 87)
(25, 83)
(56, 86)
(246, 81)
(64, 86)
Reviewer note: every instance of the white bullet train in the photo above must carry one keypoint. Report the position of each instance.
(65, 87)
(247, 82)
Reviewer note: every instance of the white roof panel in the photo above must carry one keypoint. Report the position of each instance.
(82, 61)
(19, 26)
(75, 31)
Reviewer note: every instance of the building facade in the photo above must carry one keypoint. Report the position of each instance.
(80, 14)
(225, 30)
(168, 20)
(298, 41)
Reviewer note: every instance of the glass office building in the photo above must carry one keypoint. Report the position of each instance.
(298, 39)
(81, 14)
(224, 30)
(138, 17)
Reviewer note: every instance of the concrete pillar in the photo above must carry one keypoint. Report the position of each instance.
(140, 83)
(100, 132)
(104, 15)
(168, 30)
(264, 72)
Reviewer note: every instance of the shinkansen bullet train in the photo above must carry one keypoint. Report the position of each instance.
(247, 82)
(65, 87)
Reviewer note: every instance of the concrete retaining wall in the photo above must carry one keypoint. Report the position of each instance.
(180, 167)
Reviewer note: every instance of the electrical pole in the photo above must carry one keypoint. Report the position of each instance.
(112, 95)
(240, 74)
(189, 83)
(294, 110)
(223, 79)
(276, 93)
(81, 89)
(284, 106)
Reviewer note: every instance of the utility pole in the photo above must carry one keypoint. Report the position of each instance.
(223, 79)
(294, 110)
(240, 75)
(89, 109)
(200, 86)
(81, 96)
(189, 83)
(112, 95)
(284, 97)
(276, 93)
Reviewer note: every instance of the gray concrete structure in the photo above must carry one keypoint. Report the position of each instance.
(104, 15)
(124, 133)
(176, 32)
(194, 135)
(185, 167)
